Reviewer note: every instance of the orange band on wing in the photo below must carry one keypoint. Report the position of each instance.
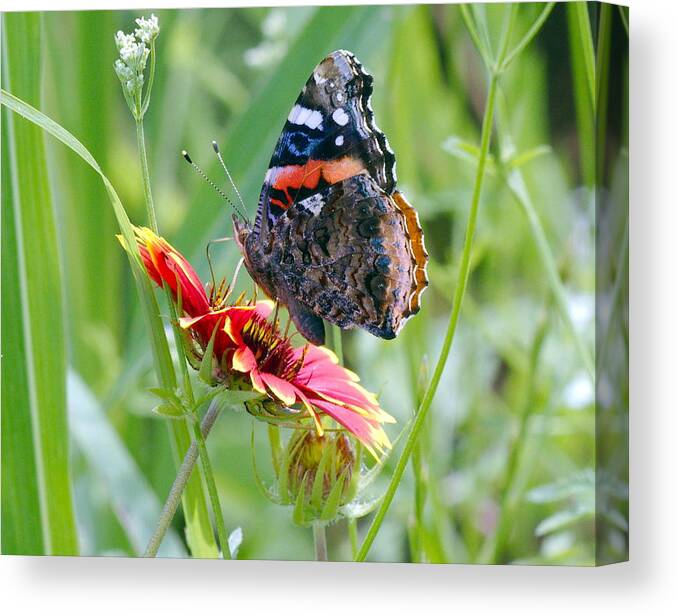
(417, 250)
(309, 175)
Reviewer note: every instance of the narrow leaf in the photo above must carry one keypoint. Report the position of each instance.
(200, 536)
(40, 393)
(131, 497)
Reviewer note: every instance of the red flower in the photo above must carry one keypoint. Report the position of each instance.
(201, 314)
(165, 265)
(311, 378)
(307, 380)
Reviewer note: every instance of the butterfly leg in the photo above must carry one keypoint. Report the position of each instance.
(309, 325)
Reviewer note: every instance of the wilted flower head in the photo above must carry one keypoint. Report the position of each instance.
(300, 384)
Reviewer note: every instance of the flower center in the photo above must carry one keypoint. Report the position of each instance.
(274, 354)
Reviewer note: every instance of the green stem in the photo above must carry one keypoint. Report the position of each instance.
(417, 543)
(183, 475)
(188, 390)
(353, 535)
(602, 87)
(460, 290)
(143, 160)
(352, 523)
(527, 39)
(149, 87)
(336, 343)
(211, 489)
(197, 433)
(320, 541)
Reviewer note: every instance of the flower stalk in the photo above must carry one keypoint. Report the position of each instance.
(494, 71)
(320, 541)
(135, 49)
(177, 489)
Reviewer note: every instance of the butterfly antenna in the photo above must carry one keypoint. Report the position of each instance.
(203, 175)
(230, 179)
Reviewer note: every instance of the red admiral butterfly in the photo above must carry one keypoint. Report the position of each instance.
(332, 238)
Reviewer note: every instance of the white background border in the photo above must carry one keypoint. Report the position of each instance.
(647, 584)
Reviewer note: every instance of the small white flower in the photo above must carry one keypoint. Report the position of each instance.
(148, 29)
(124, 72)
(123, 40)
(134, 50)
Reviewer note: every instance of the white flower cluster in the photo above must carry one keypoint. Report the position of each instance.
(134, 52)
(148, 29)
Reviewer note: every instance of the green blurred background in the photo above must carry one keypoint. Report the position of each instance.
(507, 461)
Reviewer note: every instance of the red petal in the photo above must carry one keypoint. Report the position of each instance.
(281, 389)
(165, 264)
(370, 433)
(244, 360)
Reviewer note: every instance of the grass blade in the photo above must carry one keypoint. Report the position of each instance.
(72, 73)
(38, 359)
(583, 26)
(583, 77)
(529, 35)
(22, 532)
(200, 536)
(132, 499)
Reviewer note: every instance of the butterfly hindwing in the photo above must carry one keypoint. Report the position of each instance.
(346, 251)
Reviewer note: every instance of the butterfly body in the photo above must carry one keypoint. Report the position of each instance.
(332, 238)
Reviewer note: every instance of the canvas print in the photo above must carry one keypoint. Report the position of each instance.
(317, 283)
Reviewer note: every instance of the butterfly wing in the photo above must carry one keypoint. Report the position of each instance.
(329, 135)
(353, 255)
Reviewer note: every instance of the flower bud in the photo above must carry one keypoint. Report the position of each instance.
(319, 472)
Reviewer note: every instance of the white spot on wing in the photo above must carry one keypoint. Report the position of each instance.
(339, 140)
(294, 112)
(340, 117)
(314, 120)
(312, 204)
(302, 115)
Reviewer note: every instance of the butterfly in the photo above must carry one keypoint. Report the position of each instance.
(333, 239)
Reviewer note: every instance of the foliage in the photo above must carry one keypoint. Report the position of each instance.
(504, 464)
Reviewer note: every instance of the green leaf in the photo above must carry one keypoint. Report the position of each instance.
(205, 372)
(169, 411)
(331, 506)
(320, 473)
(165, 394)
(81, 90)
(235, 398)
(200, 536)
(583, 26)
(35, 442)
(582, 484)
(131, 497)
(520, 160)
(583, 66)
(566, 517)
(298, 515)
